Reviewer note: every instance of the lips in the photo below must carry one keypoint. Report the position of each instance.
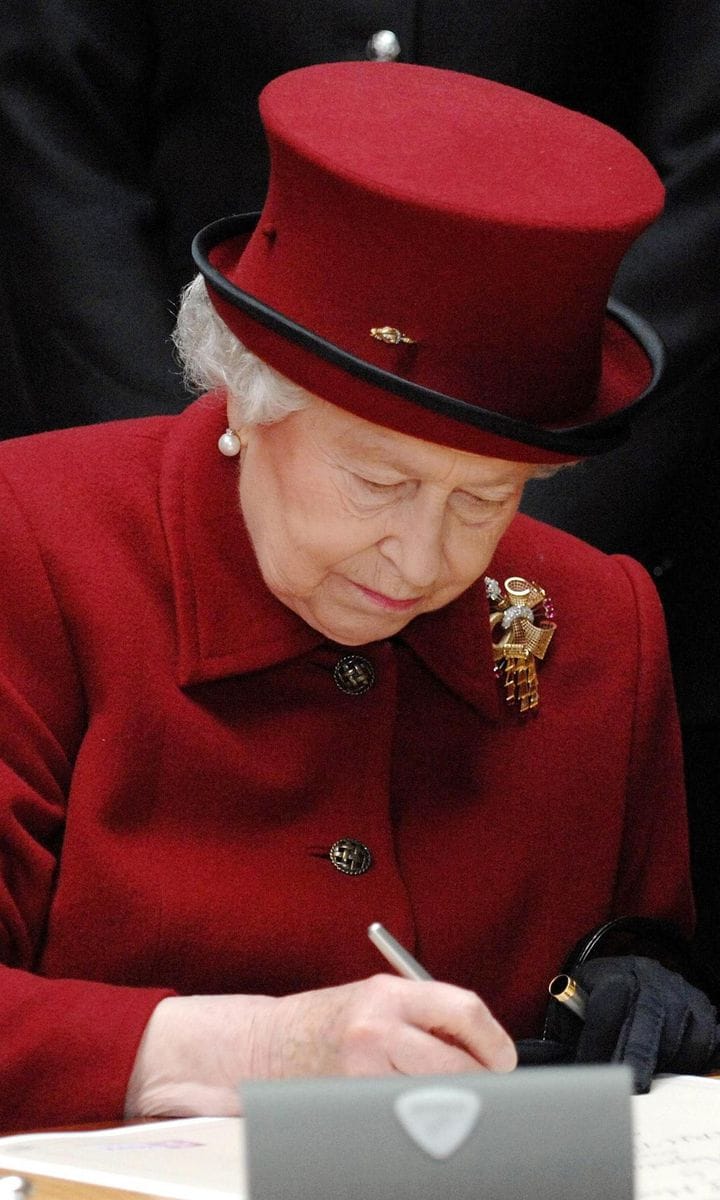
(389, 602)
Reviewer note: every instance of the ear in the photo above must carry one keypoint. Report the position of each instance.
(235, 419)
(233, 412)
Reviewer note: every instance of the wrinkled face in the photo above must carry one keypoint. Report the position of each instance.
(358, 529)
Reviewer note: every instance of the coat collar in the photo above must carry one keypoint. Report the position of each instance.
(228, 623)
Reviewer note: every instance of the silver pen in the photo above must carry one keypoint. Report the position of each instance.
(563, 987)
(395, 954)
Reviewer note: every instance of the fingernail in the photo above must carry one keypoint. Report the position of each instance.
(505, 1058)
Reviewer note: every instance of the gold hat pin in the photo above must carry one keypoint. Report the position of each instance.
(386, 333)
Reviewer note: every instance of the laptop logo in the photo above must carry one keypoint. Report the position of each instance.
(438, 1119)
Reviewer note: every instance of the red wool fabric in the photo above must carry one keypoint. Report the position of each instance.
(177, 760)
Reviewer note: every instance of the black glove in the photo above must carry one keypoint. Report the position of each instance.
(641, 1014)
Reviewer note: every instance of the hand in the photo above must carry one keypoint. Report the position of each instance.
(197, 1049)
(641, 1014)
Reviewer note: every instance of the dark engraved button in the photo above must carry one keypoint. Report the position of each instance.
(354, 674)
(350, 856)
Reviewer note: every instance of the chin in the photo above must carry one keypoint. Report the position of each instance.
(363, 632)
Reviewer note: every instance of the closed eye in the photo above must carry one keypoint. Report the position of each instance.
(380, 487)
(484, 501)
(482, 508)
(374, 486)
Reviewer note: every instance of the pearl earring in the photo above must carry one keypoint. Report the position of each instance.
(229, 443)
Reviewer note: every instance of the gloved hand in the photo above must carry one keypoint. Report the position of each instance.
(644, 1015)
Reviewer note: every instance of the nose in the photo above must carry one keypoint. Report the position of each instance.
(415, 544)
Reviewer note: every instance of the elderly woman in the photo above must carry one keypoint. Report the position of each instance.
(254, 700)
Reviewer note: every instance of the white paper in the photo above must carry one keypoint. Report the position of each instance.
(197, 1158)
(677, 1139)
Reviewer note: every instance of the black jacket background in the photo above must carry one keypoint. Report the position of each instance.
(127, 125)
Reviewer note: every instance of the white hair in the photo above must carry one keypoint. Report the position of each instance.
(214, 358)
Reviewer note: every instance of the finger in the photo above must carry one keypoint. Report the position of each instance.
(693, 1044)
(641, 1037)
(689, 1028)
(460, 1019)
(611, 999)
(416, 1052)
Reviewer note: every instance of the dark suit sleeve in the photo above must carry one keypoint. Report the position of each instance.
(657, 498)
(86, 284)
(671, 274)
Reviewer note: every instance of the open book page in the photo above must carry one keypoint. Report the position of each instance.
(677, 1139)
(197, 1158)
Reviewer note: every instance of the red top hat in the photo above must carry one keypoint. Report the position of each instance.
(435, 255)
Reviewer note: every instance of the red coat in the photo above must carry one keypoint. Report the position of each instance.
(177, 760)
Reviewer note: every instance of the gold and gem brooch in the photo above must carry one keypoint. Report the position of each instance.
(520, 634)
